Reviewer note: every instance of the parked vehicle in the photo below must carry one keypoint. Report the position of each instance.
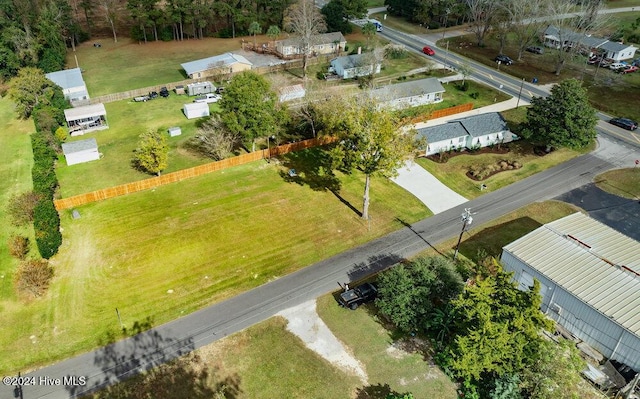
(141, 99)
(164, 92)
(220, 90)
(153, 95)
(535, 49)
(503, 59)
(594, 60)
(616, 65)
(428, 50)
(624, 123)
(628, 69)
(208, 98)
(356, 296)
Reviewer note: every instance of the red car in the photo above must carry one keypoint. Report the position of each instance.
(428, 50)
(629, 69)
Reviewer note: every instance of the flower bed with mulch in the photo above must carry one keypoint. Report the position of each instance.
(443, 157)
(479, 173)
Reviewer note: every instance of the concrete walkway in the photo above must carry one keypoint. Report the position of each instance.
(435, 195)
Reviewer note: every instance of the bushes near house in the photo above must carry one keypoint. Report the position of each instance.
(18, 246)
(482, 172)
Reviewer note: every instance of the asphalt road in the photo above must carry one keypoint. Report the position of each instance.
(117, 361)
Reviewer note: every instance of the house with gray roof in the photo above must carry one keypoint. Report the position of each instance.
(354, 65)
(410, 94)
(70, 81)
(589, 277)
(224, 64)
(80, 151)
(88, 118)
(325, 43)
(563, 38)
(472, 132)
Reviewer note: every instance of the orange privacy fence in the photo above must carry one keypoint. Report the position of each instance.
(99, 195)
(439, 113)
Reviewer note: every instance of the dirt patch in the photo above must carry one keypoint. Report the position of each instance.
(410, 345)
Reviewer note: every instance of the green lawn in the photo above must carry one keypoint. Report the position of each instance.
(377, 346)
(263, 361)
(206, 238)
(622, 3)
(127, 120)
(15, 178)
(622, 182)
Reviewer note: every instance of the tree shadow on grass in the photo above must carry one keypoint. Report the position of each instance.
(150, 364)
(313, 168)
(377, 391)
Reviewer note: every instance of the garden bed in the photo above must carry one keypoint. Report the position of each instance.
(443, 157)
(480, 173)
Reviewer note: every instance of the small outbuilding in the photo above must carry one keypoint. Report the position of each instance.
(81, 151)
(289, 93)
(175, 131)
(196, 110)
(85, 119)
(223, 64)
(71, 83)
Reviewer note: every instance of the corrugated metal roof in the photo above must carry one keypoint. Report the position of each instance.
(218, 60)
(67, 78)
(79, 146)
(323, 38)
(588, 259)
(408, 89)
(87, 111)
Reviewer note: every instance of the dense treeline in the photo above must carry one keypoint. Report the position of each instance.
(432, 14)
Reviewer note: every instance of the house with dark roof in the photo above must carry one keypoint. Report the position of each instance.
(325, 43)
(70, 81)
(223, 64)
(564, 38)
(354, 65)
(410, 94)
(472, 132)
(80, 151)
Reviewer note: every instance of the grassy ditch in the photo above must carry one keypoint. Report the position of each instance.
(622, 182)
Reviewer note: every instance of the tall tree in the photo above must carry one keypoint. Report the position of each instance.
(304, 19)
(255, 29)
(334, 13)
(152, 154)
(111, 10)
(369, 30)
(526, 21)
(273, 32)
(370, 139)
(30, 89)
(481, 14)
(563, 119)
(250, 108)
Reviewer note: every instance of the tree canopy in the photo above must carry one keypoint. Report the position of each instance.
(250, 108)
(563, 119)
(370, 139)
(31, 89)
(338, 12)
(152, 153)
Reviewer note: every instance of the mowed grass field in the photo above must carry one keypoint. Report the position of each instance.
(15, 178)
(206, 239)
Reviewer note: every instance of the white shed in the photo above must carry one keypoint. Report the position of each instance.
(81, 151)
(175, 131)
(289, 93)
(196, 110)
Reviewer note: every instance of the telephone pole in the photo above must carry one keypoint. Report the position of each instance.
(466, 222)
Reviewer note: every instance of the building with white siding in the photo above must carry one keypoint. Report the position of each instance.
(589, 276)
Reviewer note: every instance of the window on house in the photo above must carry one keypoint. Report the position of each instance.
(460, 139)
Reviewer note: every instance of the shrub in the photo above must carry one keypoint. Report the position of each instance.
(18, 246)
(61, 134)
(395, 52)
(21, 206)
(46, 224)
(33, 277)
(464, 86)
(474, 95)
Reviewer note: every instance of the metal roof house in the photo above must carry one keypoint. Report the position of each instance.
(81, 151)
(72, 84)
(589, 276)
(227, 63)
(557, 38)
(472, 132)
(354, 65)
(85, 119)
(325, 43)
(410, 94)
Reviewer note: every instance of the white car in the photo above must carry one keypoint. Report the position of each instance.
(208, 98)
(616, 65)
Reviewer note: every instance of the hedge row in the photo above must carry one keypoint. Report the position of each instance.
(46, 221)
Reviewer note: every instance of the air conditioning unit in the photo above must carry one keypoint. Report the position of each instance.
(556, 308)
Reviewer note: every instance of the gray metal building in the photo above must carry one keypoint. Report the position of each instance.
(590, 282)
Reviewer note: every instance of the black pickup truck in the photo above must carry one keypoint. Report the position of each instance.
(356, 296)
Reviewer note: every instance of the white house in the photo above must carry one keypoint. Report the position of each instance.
(618, 51)
(410, 94)
(81, 151)
(85, 119)
(563, 38)
(72, 84)
(325, 43)
(351, 66)
(589, 278)
(196, 110)
(472, 132)
(289, 93)
(227, 63)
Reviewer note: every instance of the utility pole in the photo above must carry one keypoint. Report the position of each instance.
(445, 55)
(520, 93)
(466, 222)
